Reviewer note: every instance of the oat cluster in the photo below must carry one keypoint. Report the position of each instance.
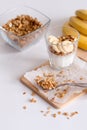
(46, 82)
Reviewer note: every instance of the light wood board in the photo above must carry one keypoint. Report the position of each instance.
(82, 54)
(51, 102)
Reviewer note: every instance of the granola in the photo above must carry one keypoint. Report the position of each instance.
(47, 82)
(22, 25)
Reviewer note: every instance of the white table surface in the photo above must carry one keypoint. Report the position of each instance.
(13, 64)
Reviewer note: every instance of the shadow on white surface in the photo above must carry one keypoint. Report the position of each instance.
(59, 22)
(5, 48)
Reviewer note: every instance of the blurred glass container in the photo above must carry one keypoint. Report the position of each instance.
(61, 60)
(25, 41)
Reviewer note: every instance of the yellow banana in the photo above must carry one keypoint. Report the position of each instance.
(82, 40)
(81, 13)
(78, 24)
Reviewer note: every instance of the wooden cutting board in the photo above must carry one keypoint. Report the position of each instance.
(82, 54)
(50, 96)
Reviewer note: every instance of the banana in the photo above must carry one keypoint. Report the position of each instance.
(81, 13)
(82, 40)
(78, 24)
(53, 39)
(67, 46)
(56, 48)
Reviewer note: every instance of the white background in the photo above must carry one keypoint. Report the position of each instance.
(13, 64)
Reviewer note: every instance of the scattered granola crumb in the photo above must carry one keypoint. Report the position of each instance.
(24, 107)
(41, 111)
(59, 112)
(73, 113)
(48, 108)
(65, 113)
(48, 75)
(81, 78)
(54, 115)
(61, 72)
(45, 114)
(24, 93)
(33, 100)
(61, 93)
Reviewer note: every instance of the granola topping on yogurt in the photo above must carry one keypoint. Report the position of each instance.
(61, 45)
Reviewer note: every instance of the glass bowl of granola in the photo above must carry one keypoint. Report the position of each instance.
(61, 46)
(23, 26)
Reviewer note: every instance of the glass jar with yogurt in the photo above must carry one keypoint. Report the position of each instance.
(61, 47)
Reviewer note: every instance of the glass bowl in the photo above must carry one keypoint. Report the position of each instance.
(62, 43)
(22, 42)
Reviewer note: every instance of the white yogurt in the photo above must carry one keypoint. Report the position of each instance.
(61, 52)
(59, 61)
